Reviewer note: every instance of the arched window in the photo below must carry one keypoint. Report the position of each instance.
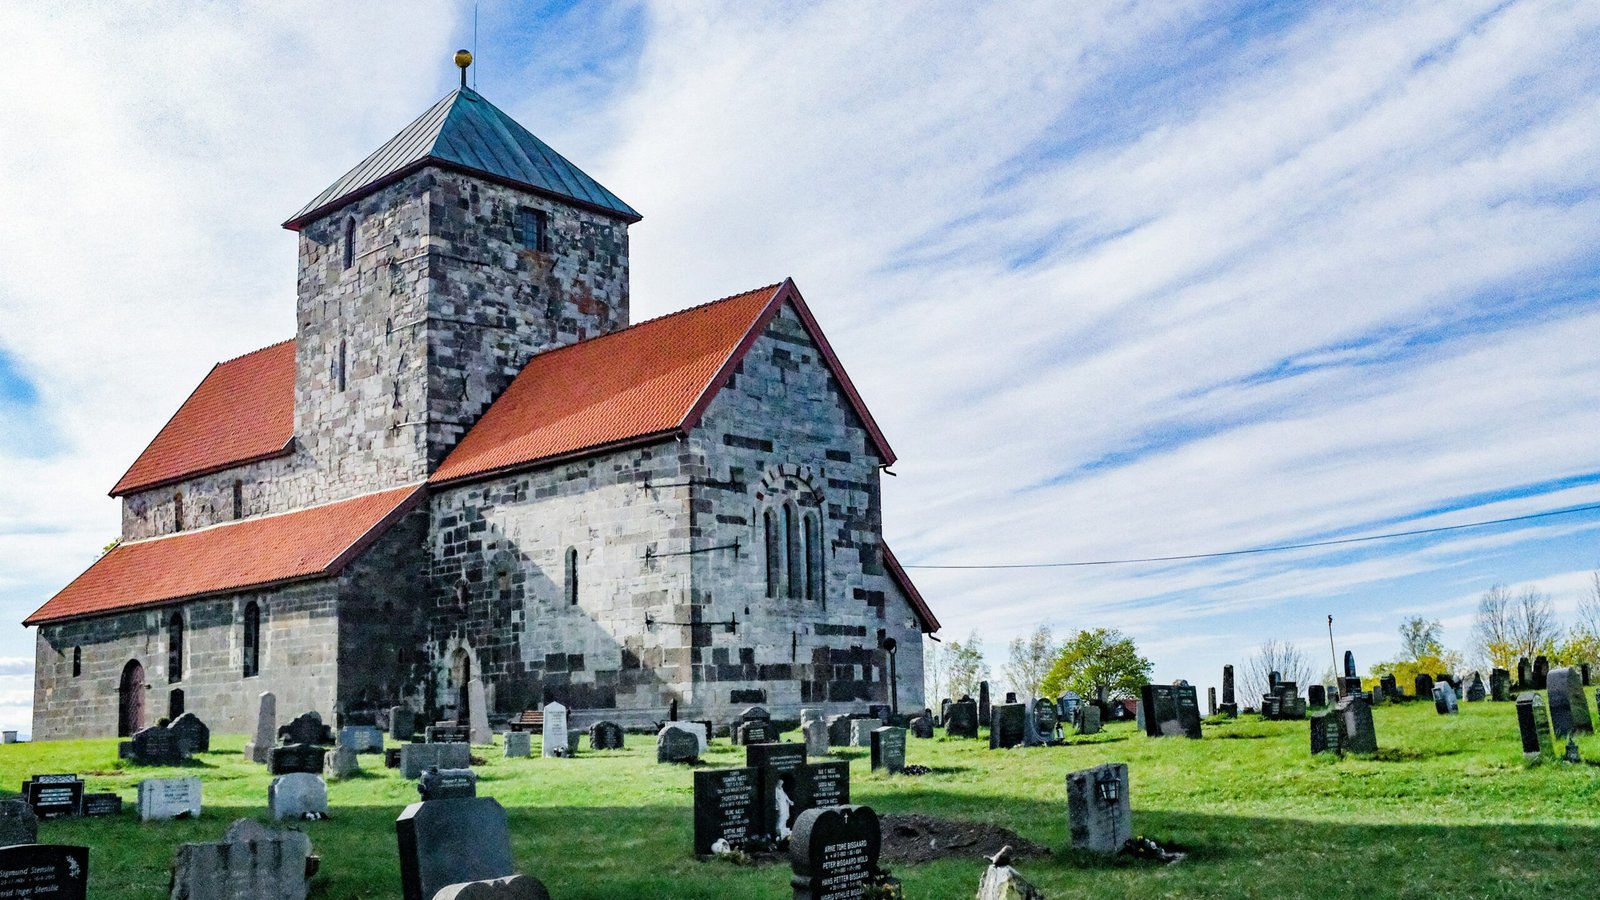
(349, 242)
(252, 639)
(794, 575)
(177, 512)
(813, 558)
(77, 661)
(175, 647)
(572, 576)
(774, 555)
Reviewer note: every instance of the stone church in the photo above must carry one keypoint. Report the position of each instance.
(469, 463)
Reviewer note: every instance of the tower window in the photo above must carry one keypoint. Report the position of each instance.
(252, 639)
(238, 499)
(77, 661)
(349, 243)
(531, 228)
(175, 647)
(572, 576)
(774, 555)
(177, 512)
(339, 365)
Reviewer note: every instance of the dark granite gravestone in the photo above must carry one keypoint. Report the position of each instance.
(962, 719)
(44, 872)
(1316, 695)
(1269, 707)
(1011, 696)
(834, 852)
(674, 745)
(1534, 723)
(888, 749)
(1099, 809)
(1045, 720)
(1230, 703)
(1291, 707)
(1524, 674)
(54, 796)
(1389, 687)
(102, 804)
(1444, 699)
(1089, 719)
(391, 757)
(983, 702)
(18, 824)
(1424, 686)
(820, 784)
(415, 758)
(1541, 672)
(1325, 734)
(1349, 686)
(922, 727)
(1350, 665)
(725, 808)
(1500, 685)
(1211, 701)
(1007, 725)
(605, 736)
(1569, 708)
(774, 765)
(192, 734)
(402, 723)
(447, 784)
(944, 710)
(754, 733)
(880, 711)
(154, 746)
(307, 728)
(1068, 705)
(1171, 710)
(1584, 671)
(448, 734)
(1378, 696)
(445, 842)
(291, 758)
(1355, 713)
(1476, 692)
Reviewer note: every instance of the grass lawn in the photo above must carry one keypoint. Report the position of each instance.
(1446, 809)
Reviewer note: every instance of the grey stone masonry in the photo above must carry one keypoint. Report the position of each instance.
(1099, 812)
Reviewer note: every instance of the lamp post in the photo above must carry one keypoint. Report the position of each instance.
(889, 645)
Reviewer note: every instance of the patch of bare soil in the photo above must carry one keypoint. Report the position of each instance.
(920, 839)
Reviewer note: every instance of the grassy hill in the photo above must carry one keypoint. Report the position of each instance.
(1447, 808)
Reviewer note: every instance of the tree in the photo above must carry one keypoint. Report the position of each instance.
(935, 670)
(1276, 656)
(1420, 638)
(1094, 659)
(1583, 638)
(1029, 662)
(965, 666)
(1422, 652)
(1510, 626)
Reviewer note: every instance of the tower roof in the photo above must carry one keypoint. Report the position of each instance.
(467, 133)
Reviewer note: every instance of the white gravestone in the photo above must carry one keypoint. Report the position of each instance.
(168, 798)
(266, 735)
(478, 714)
(555, 730)
(298, 795)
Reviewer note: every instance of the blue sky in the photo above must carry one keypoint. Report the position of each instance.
(1117, 279)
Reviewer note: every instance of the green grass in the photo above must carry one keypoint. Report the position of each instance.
(1447, 808)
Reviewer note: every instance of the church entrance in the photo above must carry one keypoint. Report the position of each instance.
(130, 699)
(460, 674)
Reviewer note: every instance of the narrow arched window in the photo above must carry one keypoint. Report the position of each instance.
(349, 242)
(774, 554)
(813, 558)
(77, 661)
(339, 365)
(252, 639)
(572, 576)
(177, 512)
(175, 647)
(791, 539)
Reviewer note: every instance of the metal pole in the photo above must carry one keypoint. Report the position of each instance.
(1338, 681)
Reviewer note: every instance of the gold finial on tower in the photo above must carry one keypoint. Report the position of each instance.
(463, 60)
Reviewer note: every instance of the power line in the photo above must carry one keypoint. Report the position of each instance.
(1275, 549)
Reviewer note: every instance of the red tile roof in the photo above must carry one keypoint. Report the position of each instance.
(930, 623)
(242, 412)
(250, 553)
(641, 384)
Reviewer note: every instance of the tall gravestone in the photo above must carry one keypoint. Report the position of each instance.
(1350, 665)
(53, 871)
(1500, 685)
(816, 735)
(1524, 674)
(1476, 692)
(1211, 701)
(1569, 708)
(445, 842)
(1230, 704)
(1170, 710)
(833, 852)
(402, 723)
(1355, 715)
(775, 765)
(555, 731)
(1045, 720)
(983, 702)
(725, 808)
(962, 720)
(1534, 723)
(1099, 812)
(1541, 672)
(1424, 686)
(478, 714)
(266, 732)
(821, 784)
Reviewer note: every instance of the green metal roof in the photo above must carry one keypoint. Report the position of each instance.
(463, 131)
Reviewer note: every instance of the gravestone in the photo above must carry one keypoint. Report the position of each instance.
(478, 714)
(252, 862)
(833, 852)
(306, 728)
(1476, 692)
(391, 757)
(340, 762)
(757, 732)
(54, 796)
(1171, 710)
(511, 887)
(675, 745)
(1390, 689)
(1099, 813)
(1007, 726)
(169, 798)
(775, 765)
(889, 749)
(446, 784)
(1089, 719)
(298, 795)
(361, 738)
(605, 736)
(725, 808)
(816, 735)
(446, 842)
(1045, 720)
(1349, 686)
(861, 732)
(1326, 736)
(53, 871)
(1541, 672)
(1444, 699)
(1355, 714)
(102, 804)
(192, 734)
(447, 734)
(922, 727)
(154, 746)
(415, 758)
(1317, 695)
(821, 784)
(1350, 665)
(983, 702)
(839, 731)
(1534, 723)
(962, 720)
(1211, 701)
(944, 711)
(1500, 685)
(1140, 721)
(18, 824)
(555, 731)
(1424, 686)
(519, 744)
(1568, 707)
(266, 730)
(1524, 674)
(1068, 704)
(292, 758)
(1230, 704)
(1002, 882)
(1584, 670)
(402, 723)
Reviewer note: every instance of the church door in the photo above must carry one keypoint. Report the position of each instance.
(130, 699)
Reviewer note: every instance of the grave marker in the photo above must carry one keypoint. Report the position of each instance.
(447, 784)
(922, 727)
(1007, 725)
(1355, 714)
(102, 804)
(169, 798)
(478, 714)
(605, 736)
(291, 758)
(1326, 736)
(962, 720)
(402, 723)
(1534, 723)
(555, 731)
(306, 728)
(266, 729)
(1541, 672)
(821, 784)
(775, 765)
(834, 852)
(1424, 684)
(1500, 685)
(1045, 720)
(1524, 674)
(674, 744)
(192, 734)
(54, 796)
(414, 758)
(1476, 692)
(298, 795)
(1316, 695)
(1569, 708)
(816, 736)
(519, 744)
(446, 842)
(1089, 719)
(252, 861)
(154, 746)
(362, 738)
(45, 871)
(1099, 813)
(889, 749)
(725, 808)
(1230, 704)
(18, 824)
(1444, 699)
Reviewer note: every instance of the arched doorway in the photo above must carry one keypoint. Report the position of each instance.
(130, 699)
(460, 674)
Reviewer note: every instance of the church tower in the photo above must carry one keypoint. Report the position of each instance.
(429, 275)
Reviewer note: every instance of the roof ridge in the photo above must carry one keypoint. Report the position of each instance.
(271, 346)
(214, 526)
